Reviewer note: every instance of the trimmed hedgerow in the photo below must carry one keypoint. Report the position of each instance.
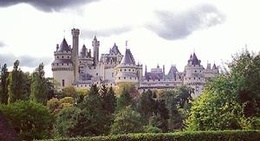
(228, 135)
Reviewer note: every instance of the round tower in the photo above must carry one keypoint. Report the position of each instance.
(95, 45)
(62, 66)
(75, 51)
(127, 71)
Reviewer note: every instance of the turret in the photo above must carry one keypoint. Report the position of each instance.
(75, 50)
(127, 70)
(95, 45)
(194, 74)
(62, 66)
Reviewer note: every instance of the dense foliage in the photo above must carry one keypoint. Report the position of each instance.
(232, 101)
(30, 120)
(238, 135)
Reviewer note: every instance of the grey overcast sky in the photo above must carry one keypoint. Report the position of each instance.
(161, 32)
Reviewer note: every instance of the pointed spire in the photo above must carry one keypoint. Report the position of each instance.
(195, 60)
(128, 58)
(83, 51)
(214, 67)
(64, 46)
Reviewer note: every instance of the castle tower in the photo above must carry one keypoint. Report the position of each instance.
(127, 71)
(62, 66)
(95, 45)
(75, 51)
(194, 76)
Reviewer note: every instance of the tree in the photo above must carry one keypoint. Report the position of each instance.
(39, 85)
(146, 105)
(51, 91)
(19, 84)
(4, 85)
(184, 96)
(124, 100)
(216, 108)
(65, 120)
(232, 100)
(127, 121)
(163, 114)
(110, 101)
(91, 121)
(31, 120)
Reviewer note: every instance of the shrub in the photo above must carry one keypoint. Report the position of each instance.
(30, 120)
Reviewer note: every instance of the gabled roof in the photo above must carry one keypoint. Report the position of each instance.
(64, 46)
(128, 58)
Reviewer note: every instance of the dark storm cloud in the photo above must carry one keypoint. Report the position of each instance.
(47, 5)
(174, 26)
(85, 33)
(25, 61)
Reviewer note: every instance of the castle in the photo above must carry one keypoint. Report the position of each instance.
(84, 68)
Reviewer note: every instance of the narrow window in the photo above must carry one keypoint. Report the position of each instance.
(63, 82)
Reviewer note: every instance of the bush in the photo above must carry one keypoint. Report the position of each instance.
(228, 135)
(30, 120)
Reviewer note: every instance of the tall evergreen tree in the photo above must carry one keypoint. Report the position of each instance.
(163, 113)
(4, 85)
(124, 100)
(91, 120)
(39, 85)
(147, 105)
(109, 99)
(19, 84)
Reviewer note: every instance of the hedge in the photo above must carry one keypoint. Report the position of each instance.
(228, 135)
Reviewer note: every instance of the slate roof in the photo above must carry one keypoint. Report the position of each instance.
(194, 59)
(64, 46)
(214, 66)
(114, 50)
(83, 52)
(128, 58)
(153, 76)
(172, 72)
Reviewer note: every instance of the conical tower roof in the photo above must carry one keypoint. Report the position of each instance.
(194, 59)
(128, 58)
(83, 52)
(64, 46)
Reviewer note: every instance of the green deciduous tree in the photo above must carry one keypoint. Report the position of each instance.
(232, 100)
(127, 121)
(65, 120)
(216, 108)
(91, 121)
(30, 120)
(39, 85)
